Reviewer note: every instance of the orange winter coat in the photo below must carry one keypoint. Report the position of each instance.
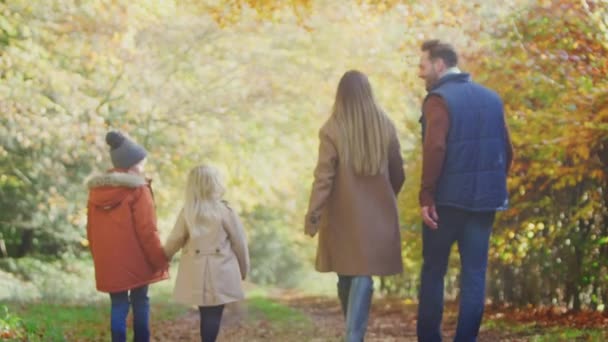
(122, 234)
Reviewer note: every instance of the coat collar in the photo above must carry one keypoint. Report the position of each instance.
(462, 77)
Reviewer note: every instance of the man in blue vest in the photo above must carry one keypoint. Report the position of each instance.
(466, 156)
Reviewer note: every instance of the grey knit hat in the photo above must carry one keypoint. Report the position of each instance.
(123, 151)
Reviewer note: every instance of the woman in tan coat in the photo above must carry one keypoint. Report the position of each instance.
(353, 201)
(214, 257)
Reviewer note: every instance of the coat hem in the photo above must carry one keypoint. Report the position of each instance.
(472, 209)
(377, 274)
(130, 287)
(194, 303)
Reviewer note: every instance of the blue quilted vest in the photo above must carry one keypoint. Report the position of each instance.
(474, 170)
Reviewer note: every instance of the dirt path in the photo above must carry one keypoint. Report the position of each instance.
(390, 321)
(186, 327)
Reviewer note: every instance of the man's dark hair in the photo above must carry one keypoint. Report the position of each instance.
(438, 49)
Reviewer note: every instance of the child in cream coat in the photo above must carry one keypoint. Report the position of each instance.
(214, 257)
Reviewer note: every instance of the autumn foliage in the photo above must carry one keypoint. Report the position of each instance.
(550, 65)
(247, 83)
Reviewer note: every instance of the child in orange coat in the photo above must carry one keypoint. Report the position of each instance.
(123, 238)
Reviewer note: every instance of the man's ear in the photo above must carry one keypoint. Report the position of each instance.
(439, 65)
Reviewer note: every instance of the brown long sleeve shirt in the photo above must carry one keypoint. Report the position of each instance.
(434, 147)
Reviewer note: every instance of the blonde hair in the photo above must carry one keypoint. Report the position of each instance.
(365, 130)
(203, 196)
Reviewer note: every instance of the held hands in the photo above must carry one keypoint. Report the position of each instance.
(430, 217)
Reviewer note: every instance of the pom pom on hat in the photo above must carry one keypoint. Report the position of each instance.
(114, 139)
(124, 152)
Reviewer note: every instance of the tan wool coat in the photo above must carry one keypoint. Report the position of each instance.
(355, 216)
(213, 264)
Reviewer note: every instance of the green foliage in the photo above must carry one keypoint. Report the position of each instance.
(11, 325)
(275, 257)
(53, 281)
(190, 91)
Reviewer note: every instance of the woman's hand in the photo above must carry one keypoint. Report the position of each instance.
(311, 225)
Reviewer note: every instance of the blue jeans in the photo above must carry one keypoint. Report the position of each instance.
(355, 294)
(471, 231)
(138, 298)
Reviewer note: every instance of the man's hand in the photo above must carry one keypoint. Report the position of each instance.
(430, 217)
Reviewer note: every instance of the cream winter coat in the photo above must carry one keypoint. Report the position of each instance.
(213, 264)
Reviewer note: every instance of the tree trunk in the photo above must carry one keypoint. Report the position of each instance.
(3, 252)
(573, 287)
(382, 285)
(27, 242)
(604, 256)
(494, 284)
(576, 303)
(532, 286)
(605, 300)
(509, 284)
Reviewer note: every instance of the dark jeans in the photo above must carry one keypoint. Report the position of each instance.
(211, 318)
(138, 299)
(471, 231)
(355, 294)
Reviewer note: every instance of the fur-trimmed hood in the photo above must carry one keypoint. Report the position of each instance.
(116, 179)
(111, 188)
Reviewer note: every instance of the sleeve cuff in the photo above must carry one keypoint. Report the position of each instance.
(426, 199)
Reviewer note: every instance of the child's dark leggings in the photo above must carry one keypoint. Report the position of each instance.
(211, 317)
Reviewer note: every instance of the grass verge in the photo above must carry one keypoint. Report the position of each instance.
(534, 332)
(43, 321)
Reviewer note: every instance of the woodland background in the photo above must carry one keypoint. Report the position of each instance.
(245, 85)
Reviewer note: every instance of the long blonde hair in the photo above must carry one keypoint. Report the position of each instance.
(365, 130)
(203, 196)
